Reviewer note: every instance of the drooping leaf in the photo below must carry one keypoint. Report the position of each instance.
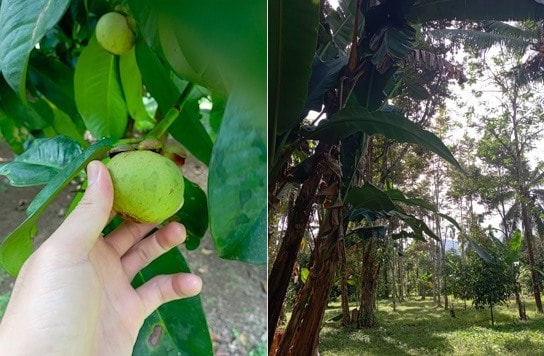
(187, 129)
(480, 250)
(98, 92)
(390, 44)
(156, 77)
(325, 76)
(339, 30)
(193, 214)
(514, 246)
(367, 232)
(389, 124)
(237, 181)
(41, 162)
(397, 195)
(23, 25)
(291, 44)
(175, 328)
(370, 197)
(17, 246)
(131, 80)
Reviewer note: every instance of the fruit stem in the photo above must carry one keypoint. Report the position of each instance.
(171, 115)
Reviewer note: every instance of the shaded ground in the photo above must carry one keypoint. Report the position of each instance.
(233, 294)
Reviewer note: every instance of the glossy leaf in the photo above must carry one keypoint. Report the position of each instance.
(41, 162)
(291, 43)
(64, 126)
(17, 246)
(131, 79)
(389, 124)
(156, 77)
(370, 197)
(55, 80)
(23, 25)
(193, 214)
(98, 92)
(187, 129)
(237, 181)
(178, 327)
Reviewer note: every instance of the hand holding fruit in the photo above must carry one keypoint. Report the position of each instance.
(73, 295)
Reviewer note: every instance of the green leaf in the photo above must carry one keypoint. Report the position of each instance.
(187, 129)
(370, 197)
(37, 115)
(193, 214)
(215, 35)
(389, 124)
(64, 126)
(17, 246)
(98, 92)
(304, 273)
(480, 250)
(237, 181)
(291, 44)
(14, 132)
(54, 80)
(397, 195)
(156, 77)
(41, 162)
(23, 25)
(178, 327)
(514, 245)
(131, 79)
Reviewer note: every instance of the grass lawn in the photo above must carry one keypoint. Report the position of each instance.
(420, 328)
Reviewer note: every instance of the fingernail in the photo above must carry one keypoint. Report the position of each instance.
(92, 172)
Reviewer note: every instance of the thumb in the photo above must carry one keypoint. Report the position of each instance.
(85, 223)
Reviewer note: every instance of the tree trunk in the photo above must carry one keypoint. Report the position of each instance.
(370, 275)
(345, 299)
(521, 308)
(492, 316)
(282, 269)
(527, 232)
(302, 333)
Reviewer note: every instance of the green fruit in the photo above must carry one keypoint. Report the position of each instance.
(148, 187)
(114, 33)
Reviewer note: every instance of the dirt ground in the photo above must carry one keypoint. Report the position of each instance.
(233, 294)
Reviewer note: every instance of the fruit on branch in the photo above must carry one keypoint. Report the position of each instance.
(148, 187)
(114, 33)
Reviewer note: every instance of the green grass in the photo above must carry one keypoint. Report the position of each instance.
(420, 328)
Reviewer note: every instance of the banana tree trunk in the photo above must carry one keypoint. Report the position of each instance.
(302, 332)
(370, 276)
(282, 268)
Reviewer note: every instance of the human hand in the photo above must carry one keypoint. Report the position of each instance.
(73, 295)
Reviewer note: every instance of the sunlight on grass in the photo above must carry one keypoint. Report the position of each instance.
(421, 328)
